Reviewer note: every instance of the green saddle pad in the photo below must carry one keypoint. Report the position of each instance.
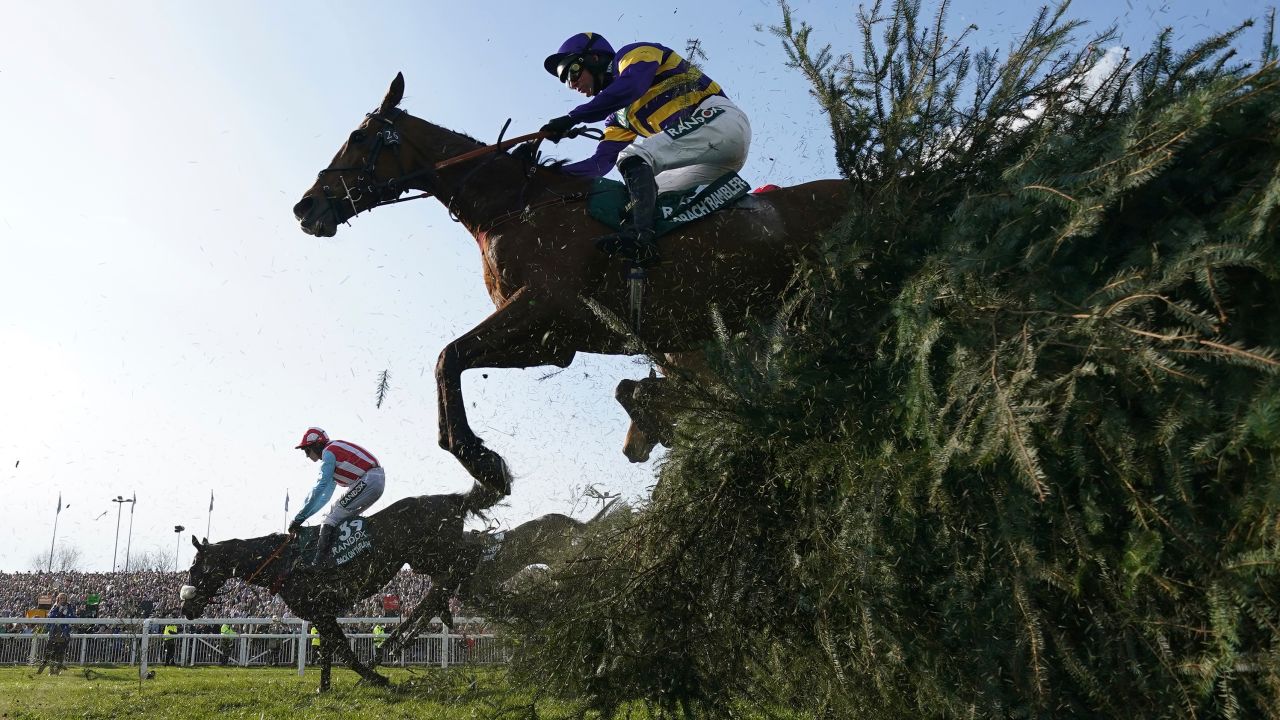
(609, 199)
(353, 539)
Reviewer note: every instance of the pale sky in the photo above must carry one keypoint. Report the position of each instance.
(168, 330)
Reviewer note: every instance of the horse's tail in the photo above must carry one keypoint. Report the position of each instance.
(480, 498)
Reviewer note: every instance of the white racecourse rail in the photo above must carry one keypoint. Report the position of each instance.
(140, 641)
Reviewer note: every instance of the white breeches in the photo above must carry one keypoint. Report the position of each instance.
(713, 141)
(358, 498)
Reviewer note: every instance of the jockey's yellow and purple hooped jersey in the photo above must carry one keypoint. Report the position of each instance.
(652, 89)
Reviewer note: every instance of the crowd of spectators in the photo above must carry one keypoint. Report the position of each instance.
(154, 593)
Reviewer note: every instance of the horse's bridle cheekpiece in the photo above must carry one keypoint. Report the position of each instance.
(386, 192)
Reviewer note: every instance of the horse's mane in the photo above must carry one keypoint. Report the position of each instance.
(232, 547)
(545, 164)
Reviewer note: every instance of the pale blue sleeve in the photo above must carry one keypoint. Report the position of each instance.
(323, 490)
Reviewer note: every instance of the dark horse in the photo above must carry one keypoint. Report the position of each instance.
(426, 532)
(541, 269)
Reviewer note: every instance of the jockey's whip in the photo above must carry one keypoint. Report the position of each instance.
(274, 554)
(593, 133)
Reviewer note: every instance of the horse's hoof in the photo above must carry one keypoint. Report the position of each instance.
(487, 467)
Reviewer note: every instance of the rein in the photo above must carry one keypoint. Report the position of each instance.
(496, 147)
(390, 137)
(270, 558)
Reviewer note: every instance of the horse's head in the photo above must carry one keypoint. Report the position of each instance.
(650, 425)
(209, 570)
(363, 174)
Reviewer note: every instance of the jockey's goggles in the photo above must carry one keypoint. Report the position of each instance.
(570, 68)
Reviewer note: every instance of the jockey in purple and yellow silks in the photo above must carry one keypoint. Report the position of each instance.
(669, 127)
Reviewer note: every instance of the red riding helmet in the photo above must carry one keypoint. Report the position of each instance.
(312, 436)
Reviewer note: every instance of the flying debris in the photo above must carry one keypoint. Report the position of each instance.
(384, 384)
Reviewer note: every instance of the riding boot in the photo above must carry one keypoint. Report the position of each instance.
(323, 543)
(635, 241)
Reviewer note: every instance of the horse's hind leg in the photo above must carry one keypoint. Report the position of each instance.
(520, 334)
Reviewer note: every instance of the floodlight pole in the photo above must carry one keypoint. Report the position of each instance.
(133, 504)
(177, 530)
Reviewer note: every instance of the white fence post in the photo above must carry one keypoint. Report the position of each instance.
(302, 648)
(142, 666)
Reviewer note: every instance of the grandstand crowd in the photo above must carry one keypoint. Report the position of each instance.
(152, 593)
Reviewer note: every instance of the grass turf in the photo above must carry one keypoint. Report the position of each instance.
(228, 693)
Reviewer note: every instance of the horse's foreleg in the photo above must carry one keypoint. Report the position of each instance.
(408, 629)
(331, 634)
(522, 333)
(326, 668)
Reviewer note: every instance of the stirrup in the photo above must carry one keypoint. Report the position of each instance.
(644, 252)
(637, 246)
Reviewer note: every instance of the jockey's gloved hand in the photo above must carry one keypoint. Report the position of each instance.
(295, 528)
(557, 128)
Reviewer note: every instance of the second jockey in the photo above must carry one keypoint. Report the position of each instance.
(341, 463)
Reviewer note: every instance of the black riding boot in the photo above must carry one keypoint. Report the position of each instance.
(323, 543)
(635, 241)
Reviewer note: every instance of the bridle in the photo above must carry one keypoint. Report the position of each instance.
(274, 555)
(388, 191)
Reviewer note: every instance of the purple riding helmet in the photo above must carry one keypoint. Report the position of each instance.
(584, 51)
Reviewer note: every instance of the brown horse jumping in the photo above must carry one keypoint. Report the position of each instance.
(544, 275)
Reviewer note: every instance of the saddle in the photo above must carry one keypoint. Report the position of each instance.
(608, 200)
(354, 538)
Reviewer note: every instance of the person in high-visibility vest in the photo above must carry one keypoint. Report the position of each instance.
(315, 642)
(170, 644)
(228, 642)
(379, 637)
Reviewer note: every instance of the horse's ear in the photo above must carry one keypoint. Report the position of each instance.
(196, 542)
(395, 94)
